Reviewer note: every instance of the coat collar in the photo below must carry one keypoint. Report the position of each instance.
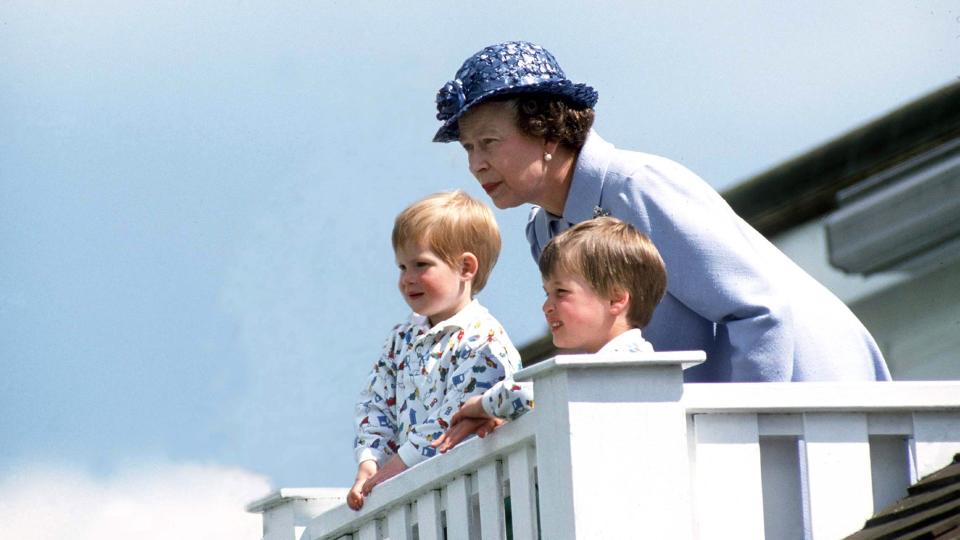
(586, 186)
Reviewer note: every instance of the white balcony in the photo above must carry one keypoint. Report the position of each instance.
(618, 447)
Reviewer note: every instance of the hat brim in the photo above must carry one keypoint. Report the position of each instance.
(579, 93)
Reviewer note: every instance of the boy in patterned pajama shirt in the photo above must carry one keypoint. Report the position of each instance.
(603, 279)
(450, 348)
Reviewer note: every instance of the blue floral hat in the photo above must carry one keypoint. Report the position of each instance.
(511, 67)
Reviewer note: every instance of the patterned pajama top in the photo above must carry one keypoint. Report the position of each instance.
(423, 376)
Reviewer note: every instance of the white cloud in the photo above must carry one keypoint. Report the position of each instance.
(183, 501)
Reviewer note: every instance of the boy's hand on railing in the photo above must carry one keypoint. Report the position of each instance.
(471, 408)
(365, 471)
(393, 467)
(469, 420)
(463, 429)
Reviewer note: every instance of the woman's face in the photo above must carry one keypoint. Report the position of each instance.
(508, 163)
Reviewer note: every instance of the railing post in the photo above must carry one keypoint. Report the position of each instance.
(287, 512)
(611, 443)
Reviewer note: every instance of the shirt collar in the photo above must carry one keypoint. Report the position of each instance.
(586, 185)
(630, 341)
(471, 313)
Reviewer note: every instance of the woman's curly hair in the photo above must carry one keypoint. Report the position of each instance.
(553, 118)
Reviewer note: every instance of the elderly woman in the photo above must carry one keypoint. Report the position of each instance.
(527, 133)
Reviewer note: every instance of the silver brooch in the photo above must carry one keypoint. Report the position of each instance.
(599, 212)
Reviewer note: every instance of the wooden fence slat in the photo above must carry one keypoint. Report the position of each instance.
(398, 523)
(458, 509)
(491, 502)
(523, 504)
(782, 496)
(728, 488)
(369, 530)
(890, 470)
(428, 516)
(838, 473)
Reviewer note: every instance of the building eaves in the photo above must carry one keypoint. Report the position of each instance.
(805, 187)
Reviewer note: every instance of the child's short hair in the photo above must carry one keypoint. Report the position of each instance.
(610, 254)
(452, 223)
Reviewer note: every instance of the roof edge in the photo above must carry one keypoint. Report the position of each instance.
(805, 186)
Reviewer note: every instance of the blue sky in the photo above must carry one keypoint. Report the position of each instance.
(196, 198)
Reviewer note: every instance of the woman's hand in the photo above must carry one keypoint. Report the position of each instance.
(469, 420)
(365, 471)
(393, 467)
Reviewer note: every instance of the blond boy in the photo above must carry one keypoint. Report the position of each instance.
(603, 279)
(450, 348)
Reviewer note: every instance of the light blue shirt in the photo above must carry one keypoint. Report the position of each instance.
(730, 292)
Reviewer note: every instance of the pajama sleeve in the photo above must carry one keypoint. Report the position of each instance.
(508, 399)
(477, 365)
(376, 420)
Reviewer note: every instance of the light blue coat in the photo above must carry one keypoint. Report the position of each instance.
(730, 292)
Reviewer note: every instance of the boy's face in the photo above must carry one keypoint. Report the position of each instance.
(429, 285)
(578, 317)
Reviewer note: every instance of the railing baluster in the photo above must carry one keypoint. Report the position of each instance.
(458, 509)
(523, 504)
(398, 523)
(936, 440)
(428, 516)
(782, 498)
(369, 530)
(491, 501)
(729, 491)
(890, 469)
(838, 473)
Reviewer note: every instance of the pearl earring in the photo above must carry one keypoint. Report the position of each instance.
(547, 156)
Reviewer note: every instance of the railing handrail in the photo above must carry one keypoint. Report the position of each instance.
(583, 394)
(285, 495)
(791, 397)
(686, 359)
(425, 476)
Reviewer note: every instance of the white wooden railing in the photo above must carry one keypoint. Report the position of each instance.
(619, 447)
